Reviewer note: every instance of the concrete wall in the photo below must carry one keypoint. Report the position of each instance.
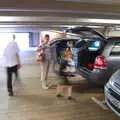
(114, 33)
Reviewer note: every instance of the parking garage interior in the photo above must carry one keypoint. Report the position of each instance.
(30, 20)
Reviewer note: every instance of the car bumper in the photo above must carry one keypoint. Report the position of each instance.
(111, 101)
(84, 72)
(97, 76)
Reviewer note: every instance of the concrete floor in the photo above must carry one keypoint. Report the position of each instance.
(32, 103)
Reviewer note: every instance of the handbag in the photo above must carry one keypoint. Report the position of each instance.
(41, 54)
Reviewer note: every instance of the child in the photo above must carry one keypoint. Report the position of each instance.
(63, 82)
(69, 58)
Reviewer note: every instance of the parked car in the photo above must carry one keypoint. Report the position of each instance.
(106, 62)
(112, 93)
(89, 44)
(102, 58)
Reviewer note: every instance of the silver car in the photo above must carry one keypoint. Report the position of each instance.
(112, 93)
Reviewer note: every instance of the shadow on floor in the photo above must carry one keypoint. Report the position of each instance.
(84, 87)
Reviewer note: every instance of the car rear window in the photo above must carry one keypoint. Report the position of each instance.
(115, 49)
(94, 45)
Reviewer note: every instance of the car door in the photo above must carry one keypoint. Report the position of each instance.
(113, 57)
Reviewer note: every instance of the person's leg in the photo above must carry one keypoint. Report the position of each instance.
(69, 88)
(15, 70)
(54, 65)
(41, 71)
(47, 68)
(61, 85)
(59, 90)
(43, 75)
(69, 91)
(16, 74)
(9, 81)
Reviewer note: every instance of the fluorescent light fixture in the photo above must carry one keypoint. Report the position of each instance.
(94, 1)
(107, 21)
(60, 20)
(102, 21)
(93, 26)
(7, 18)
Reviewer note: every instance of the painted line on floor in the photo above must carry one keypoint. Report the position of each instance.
(100, 103)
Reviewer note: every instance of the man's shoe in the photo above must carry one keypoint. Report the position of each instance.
(71, 98)
(11, 93)
(72, 75)
(59, 96)
(45, 87)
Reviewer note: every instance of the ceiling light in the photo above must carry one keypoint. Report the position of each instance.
(107, 21)
(94, 1)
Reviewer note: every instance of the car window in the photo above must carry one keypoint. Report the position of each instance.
(94, 45)
(115, 49)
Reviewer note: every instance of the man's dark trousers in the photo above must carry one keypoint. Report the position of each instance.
(10, 71)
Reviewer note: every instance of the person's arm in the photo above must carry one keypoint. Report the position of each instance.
(18, 59)
(17, 55)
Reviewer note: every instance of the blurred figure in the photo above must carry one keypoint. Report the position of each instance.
(44, 57)
(64, 70)
(12, 63)
(70, 44)
(69, 58)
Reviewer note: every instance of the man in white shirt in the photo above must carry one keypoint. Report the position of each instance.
(12, 63)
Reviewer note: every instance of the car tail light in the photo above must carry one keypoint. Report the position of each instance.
(100, 62)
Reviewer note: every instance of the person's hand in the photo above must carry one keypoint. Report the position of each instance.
(19, 66)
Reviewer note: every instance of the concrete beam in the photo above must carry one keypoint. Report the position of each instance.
(59, 5)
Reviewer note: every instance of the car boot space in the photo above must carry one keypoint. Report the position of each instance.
(88, 54)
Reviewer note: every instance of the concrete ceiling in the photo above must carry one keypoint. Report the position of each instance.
(58, 14)
(94, 1)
